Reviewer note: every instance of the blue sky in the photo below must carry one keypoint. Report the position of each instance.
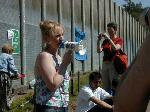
(146, 3)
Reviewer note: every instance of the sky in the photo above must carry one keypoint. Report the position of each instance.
(145, 3)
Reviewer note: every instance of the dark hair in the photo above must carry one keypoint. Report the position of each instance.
(94, 75)
(113, 25)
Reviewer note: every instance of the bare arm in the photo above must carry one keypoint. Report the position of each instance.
(48, 72)
(100, 103)
(99, 49)
(134, 93)
(51, 77)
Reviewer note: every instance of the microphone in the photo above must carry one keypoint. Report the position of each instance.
(75, 46)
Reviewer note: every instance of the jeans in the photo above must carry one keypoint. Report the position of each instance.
(97, 108)
(44, 108)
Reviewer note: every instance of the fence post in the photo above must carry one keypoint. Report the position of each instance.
(22, 40)
(78, 81)
(71, 75)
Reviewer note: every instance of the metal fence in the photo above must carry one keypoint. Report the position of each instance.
(91, 16)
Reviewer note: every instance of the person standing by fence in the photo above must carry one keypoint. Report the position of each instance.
(52, 80)
(8, 71)
(110, 45)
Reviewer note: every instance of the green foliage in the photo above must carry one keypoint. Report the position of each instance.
(134, 9)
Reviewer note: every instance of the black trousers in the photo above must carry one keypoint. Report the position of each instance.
(5, 91)
(44, 108)
(97, 108)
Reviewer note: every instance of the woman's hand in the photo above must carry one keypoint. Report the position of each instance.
(67, 57)
(65, 62)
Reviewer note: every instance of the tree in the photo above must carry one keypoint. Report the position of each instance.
(134, 9)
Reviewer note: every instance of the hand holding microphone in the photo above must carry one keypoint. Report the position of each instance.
(78, 47)
(75, 46)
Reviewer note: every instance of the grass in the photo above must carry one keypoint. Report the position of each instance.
(83, 80)
(17, 105)
(21, 103)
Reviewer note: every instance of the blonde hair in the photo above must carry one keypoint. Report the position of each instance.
(7, 48)
(49, 28)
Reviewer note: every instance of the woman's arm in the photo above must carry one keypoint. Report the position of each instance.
(46, 69)
(52, 77)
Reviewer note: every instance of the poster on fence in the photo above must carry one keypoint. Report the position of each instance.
(14, 35)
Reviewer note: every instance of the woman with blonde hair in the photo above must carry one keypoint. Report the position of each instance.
(52, 80)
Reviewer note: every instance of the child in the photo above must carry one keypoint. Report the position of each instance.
(7, 65)
(8, 71)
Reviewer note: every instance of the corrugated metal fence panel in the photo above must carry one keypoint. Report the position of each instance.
(33, 12)
(121, 28)
(88, 33)
(124, 31)
(33, 43)
(9, 12)
(102, 24)
(127, 37)
(92, 31)
(117, 16)
(107, 13)
(95, 33)
(139, 30)
(51, 9)
(32, 34)
(77, 24)
(66, 21)
(130, 38)
(133, 36)
(102, 15)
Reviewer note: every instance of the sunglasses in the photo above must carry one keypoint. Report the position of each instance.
(96, 81)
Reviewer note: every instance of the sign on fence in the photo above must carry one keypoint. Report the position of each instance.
(13, 34)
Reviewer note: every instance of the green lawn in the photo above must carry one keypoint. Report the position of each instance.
(83, 80)
(21, 104)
